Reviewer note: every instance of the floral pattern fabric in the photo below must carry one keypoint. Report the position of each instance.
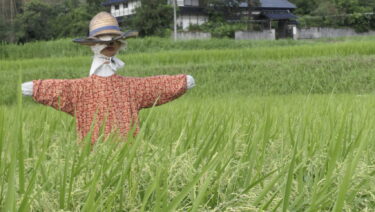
(109, 102)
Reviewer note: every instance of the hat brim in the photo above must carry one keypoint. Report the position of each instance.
(89, 41)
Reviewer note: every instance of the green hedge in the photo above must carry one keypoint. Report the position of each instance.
(359, 22)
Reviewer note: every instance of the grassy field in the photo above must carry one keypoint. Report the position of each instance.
(272, 126)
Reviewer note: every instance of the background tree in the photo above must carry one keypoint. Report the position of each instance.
(4, 31)
(221, 10)
(72, 21)
(94, 6)
(326, 8)
(154, 17)
(28, 20)
(305, 7)
(36, 22)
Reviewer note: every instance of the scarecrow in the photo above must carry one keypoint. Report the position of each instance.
(105, 99)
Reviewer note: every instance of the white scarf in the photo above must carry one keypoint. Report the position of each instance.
(102, 65)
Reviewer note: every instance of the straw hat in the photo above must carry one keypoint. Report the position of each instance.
(104, 23)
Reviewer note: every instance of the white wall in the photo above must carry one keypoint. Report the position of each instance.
(181, 3)
(192, 35)
(185, 21)
(125, 9)
(314, 32)
(252, 35)
(191, 3)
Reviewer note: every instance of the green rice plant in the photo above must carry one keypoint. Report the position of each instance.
(273, 127)
(47, 49)
(204, 160)
(322, 68)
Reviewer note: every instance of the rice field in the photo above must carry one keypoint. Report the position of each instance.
(270, 126)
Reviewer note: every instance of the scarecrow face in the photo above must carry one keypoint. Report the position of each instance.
(112, 48)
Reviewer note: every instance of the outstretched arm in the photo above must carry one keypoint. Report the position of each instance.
(158, 90)
(59, 94)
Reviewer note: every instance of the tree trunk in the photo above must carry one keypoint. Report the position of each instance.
(175, 19)
(249, 17)
(13, 13)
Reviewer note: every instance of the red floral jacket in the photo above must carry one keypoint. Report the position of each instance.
(110, 102)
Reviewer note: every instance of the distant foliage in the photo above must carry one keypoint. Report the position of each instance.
(219, 29)
(154, 17)
(356, 14)
(53, 19)
(75, 23)
(35, 22)
(41, 21)
(4, 31)
(333, 7)
(358, 21)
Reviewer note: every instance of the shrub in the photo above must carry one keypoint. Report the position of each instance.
(361, 22)
(219, 29)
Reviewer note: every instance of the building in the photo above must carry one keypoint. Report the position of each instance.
(190, 12)
(122, 8)
(274, 12)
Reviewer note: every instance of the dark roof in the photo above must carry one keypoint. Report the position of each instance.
(275, 4)
(109, 2)
(191, 10)
(278, 15)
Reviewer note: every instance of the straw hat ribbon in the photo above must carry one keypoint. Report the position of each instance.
(103, 24)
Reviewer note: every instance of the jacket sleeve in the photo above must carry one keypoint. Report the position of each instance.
(57, 93)
(158, 90)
